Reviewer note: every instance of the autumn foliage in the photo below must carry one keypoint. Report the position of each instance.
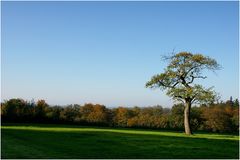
(220, 117)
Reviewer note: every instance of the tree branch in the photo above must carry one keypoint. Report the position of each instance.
(191, 69)
(184, 82)
(193, 77)
(179, 98)
(168, 86)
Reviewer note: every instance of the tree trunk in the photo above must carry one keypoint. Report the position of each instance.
(187, 118)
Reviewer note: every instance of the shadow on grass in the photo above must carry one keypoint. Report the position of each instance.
(101, 144)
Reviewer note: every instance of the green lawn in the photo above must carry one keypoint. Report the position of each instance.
(63, 141)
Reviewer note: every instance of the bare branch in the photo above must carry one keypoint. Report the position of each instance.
(178, 97)
(193, 77)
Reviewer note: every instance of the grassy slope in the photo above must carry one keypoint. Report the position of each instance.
(62, 141)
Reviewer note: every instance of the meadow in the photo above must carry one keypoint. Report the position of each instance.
(71, 141)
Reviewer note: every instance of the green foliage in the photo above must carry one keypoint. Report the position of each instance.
(53, 114)
(176, 116)
(40, 110)
(236, 103)
(69, 113)
(16, 109)
(178, 78)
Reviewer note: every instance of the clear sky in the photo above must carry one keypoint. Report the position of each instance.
(105, 52)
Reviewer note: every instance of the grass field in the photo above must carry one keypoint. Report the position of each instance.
(63, 141)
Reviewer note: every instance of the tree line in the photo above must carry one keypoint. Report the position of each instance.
(218, 117)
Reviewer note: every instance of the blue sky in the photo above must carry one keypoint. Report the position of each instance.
(105, 52)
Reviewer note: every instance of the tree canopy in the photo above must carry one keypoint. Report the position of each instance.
(178, 77)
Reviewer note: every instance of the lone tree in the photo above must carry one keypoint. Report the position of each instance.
(178, 80)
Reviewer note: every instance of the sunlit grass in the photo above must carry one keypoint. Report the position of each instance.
(63, 141)
(53, 128)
